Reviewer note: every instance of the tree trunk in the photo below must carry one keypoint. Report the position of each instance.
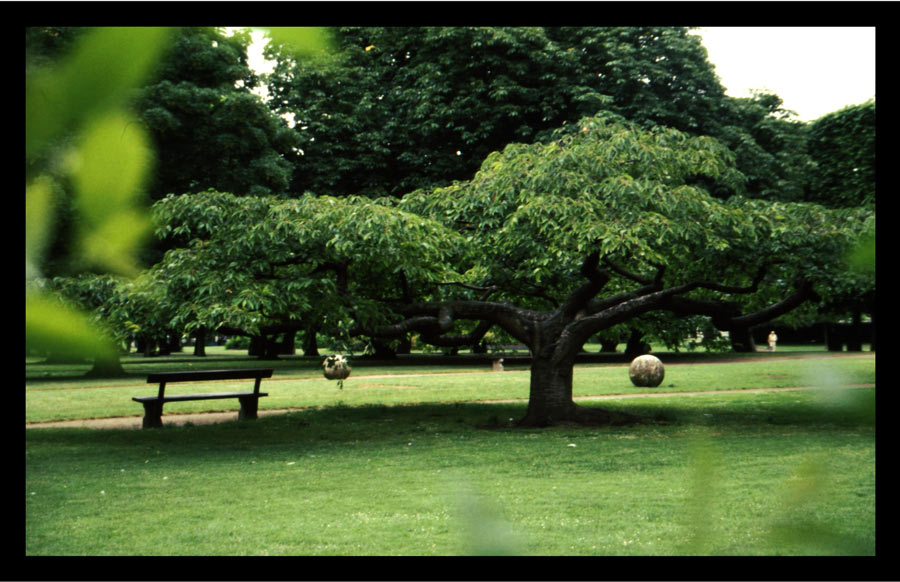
(173, 342)
(608, 346)
(287, 343)
(550, 399)
(834, 338)
(550, 394)
(383, 350)
(310, 344)
(635, 346)
(106, 367)
(741, 339)
(855, 333)
(200, 343)
(257, 346)
(271, 348)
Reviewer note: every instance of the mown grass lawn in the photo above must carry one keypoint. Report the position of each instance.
(786, 473)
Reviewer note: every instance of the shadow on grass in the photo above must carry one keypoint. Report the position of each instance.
(812, 410)
(741, 413)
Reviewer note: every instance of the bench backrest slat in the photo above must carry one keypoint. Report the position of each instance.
(198, 375)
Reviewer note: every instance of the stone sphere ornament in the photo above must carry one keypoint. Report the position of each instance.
(646, 371)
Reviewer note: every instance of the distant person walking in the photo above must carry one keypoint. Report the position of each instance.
(772, 339)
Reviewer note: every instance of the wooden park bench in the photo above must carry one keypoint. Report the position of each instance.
(249, 400)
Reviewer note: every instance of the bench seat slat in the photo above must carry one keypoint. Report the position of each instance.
(207, 396)
(199, 375)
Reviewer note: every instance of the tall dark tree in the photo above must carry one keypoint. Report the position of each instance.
(769, 145)
(45, 44)
(842, 148)
(406, 107)
(401, 108)
(208, 128)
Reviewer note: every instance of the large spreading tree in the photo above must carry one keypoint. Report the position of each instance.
(552, 243)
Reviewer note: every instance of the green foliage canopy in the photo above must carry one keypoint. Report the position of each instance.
(551, 242)
(252, 264)
(401, 108)
(209, 130)
(842, 147)
(522, 229)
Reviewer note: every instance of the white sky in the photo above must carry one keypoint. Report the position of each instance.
(815, 70)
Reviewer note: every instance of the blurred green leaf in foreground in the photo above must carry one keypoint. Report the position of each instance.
(84, 146)
(81, 141)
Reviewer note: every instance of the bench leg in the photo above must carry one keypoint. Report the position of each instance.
(249, 406)
(152, 414)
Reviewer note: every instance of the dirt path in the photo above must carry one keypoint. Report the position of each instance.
(134, 422)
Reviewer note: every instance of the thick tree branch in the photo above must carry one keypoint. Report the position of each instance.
(752, 288)
(437, 324)
(721, 312)
(468, 339)
(578, 300)
(803, 293)
(487, 291)
(625, 306)
(596, 305)
(643, 280)
(726, 315)
(516, 321)
(646, 299)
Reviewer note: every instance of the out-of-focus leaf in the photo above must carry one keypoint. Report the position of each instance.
(305, 40)
(862, 258)
(113, 244)
(105, 66)
(54, 327)
(38, 223)
(109, 166)
(108, 170)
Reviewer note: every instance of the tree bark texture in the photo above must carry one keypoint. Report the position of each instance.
(550, 393)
